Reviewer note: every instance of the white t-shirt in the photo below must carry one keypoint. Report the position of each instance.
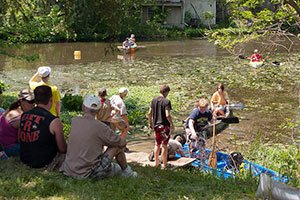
(174, 147)
(117, 101)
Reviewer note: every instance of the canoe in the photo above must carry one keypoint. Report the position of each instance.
(225, 170)
(271, 189)
(131, 49)
(207, 131)
(256, 64)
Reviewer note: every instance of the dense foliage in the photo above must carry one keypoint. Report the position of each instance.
(271, 20)
(77, 20)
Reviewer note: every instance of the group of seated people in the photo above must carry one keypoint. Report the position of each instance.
(30, 131)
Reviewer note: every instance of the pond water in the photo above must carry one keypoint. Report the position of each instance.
(191, 67)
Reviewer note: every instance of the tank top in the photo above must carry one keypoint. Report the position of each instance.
(38, 144)
(8, 133)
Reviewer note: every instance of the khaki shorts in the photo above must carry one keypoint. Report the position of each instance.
(56, 162)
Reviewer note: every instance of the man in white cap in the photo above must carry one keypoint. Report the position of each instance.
(88, 136)
(41, 77)
(119, 112)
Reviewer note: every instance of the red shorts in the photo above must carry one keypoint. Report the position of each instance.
(162, 134)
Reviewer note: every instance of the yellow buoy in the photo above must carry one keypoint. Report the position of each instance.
(77, 55)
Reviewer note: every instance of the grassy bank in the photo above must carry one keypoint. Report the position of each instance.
(20, 182)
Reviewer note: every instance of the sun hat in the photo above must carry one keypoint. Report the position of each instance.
(102, 92)
(26, 94)
(44, 71)
(91, 102)
(123, 90)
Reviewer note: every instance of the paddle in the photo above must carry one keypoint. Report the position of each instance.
(236, 106)
(230, 120)
(212, 159)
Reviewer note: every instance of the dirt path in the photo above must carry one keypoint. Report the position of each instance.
(226, 141)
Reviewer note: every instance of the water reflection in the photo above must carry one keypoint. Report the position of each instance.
(62, 53)
(193, 67)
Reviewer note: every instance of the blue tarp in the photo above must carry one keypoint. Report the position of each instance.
(246, 166)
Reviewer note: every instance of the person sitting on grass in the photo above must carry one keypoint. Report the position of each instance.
(86, 157)
(41, 135)
(10, 122)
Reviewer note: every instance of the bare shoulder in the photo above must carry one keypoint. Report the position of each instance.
(56, 126)
(13, 114)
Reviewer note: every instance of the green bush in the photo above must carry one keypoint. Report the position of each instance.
(7, 100)
(191, 32)
(283, 159)
(72, 102)
(136, 112)
(2, 87)
(66, 118)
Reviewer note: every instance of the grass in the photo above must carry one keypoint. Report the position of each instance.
(270, 95)
(21, 182)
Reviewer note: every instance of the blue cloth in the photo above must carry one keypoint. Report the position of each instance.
(13, 150)
(1, 111)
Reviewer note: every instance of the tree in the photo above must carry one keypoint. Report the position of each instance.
(271, 20)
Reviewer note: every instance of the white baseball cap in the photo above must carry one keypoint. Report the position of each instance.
(92, 102)
(44, 71)
(123, 90)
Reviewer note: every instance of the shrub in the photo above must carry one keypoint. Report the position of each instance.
(72, 102)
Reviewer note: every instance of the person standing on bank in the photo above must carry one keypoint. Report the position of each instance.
(119, 112)
(41, 77)
(41, 135)
(85, 157)
(159, 119)
(104, 114)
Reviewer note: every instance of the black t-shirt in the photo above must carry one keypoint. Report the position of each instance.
(38, 144)
(159, 105)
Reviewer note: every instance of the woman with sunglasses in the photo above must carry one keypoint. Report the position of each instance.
(10, 122)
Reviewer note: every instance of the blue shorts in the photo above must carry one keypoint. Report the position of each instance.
(13, 150)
